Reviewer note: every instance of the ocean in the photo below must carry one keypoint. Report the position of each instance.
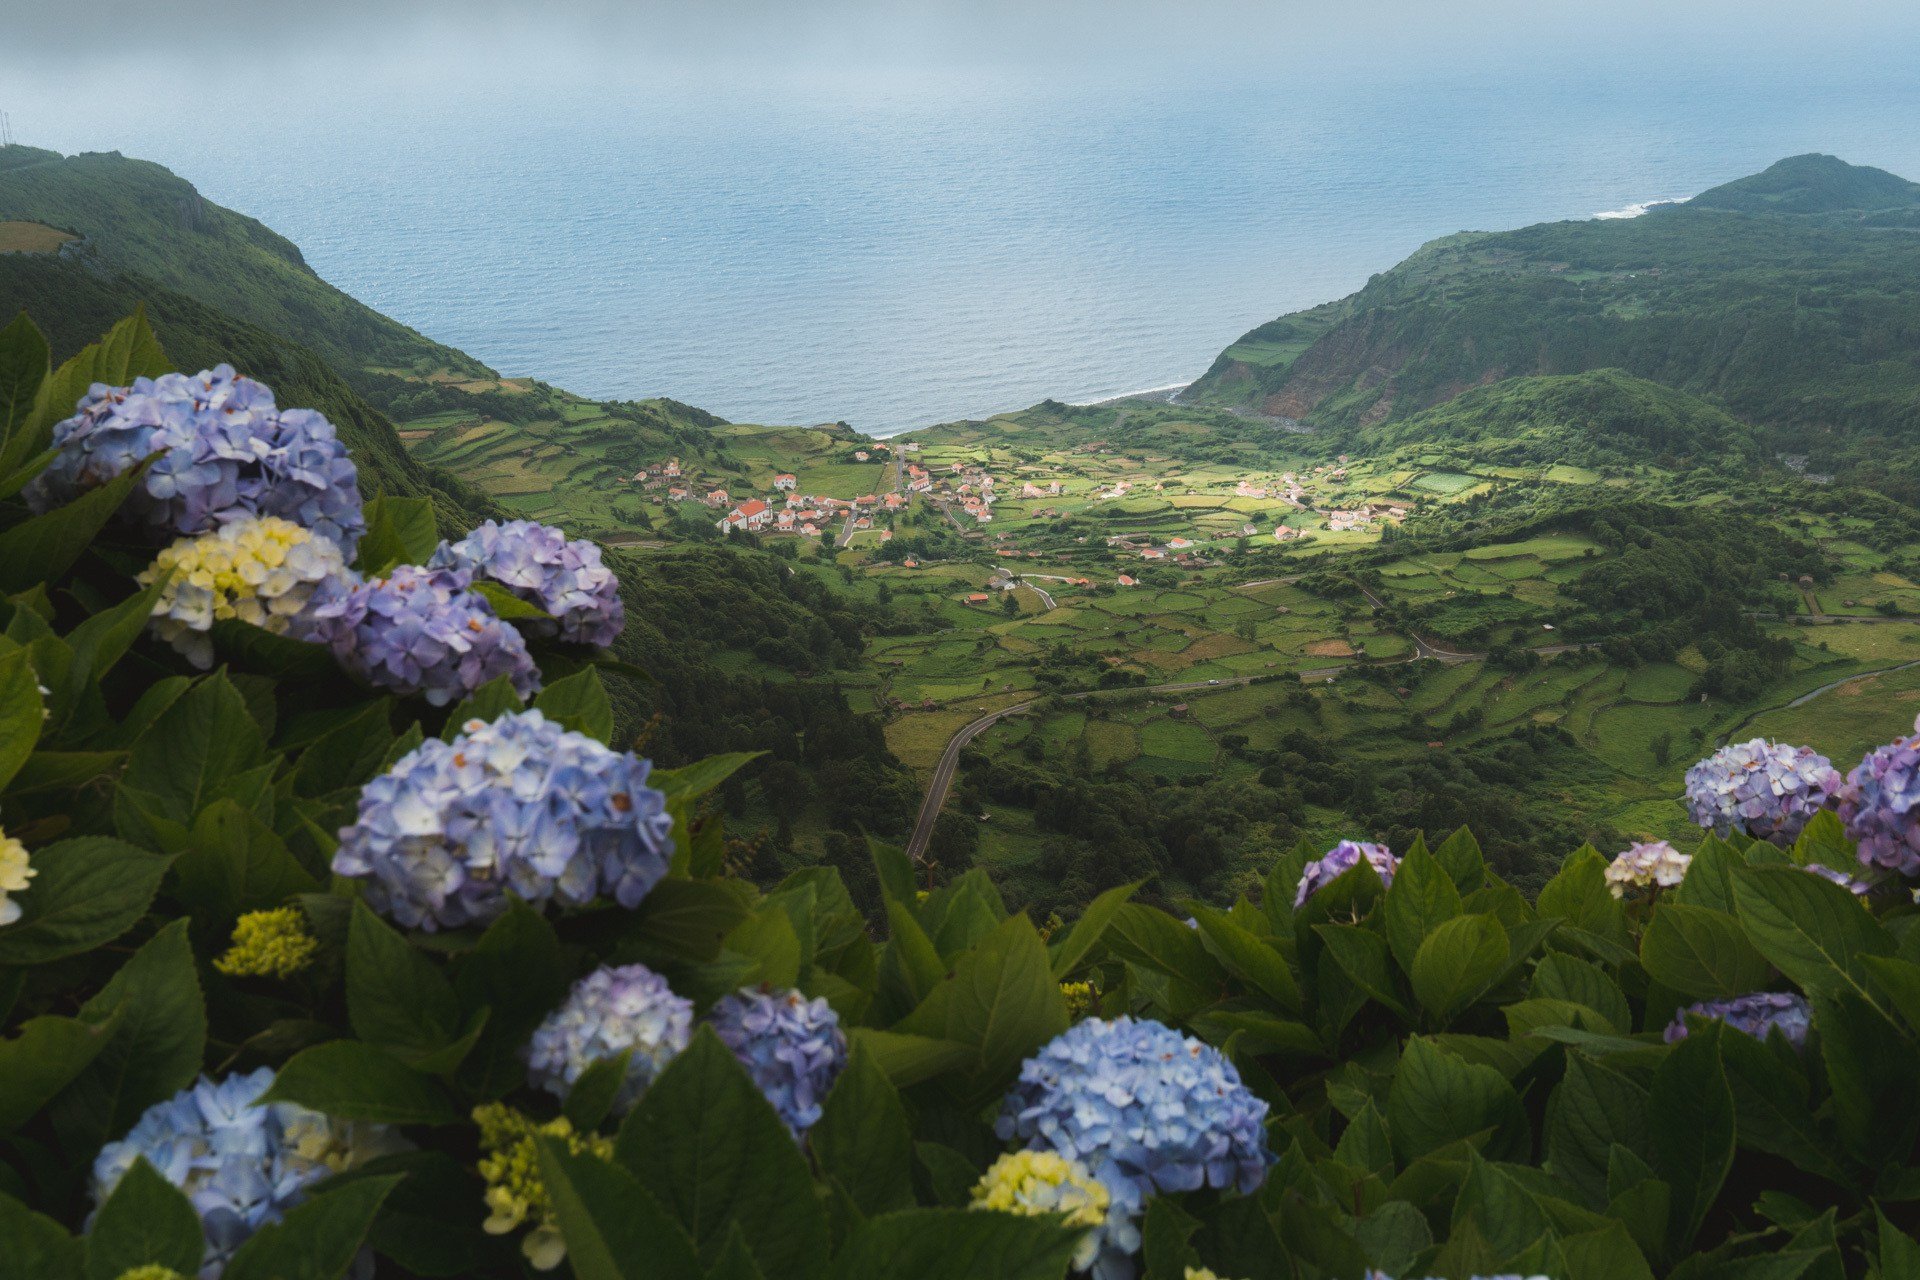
(902, 251)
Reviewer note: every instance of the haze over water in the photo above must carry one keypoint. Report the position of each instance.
(896, 250)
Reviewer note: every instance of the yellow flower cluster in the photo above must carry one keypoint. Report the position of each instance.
(515, 1191)
(261, 570)
(1080, 997)
(151, 1271)
(269, 944)
(15, 870)
(1036, 1182)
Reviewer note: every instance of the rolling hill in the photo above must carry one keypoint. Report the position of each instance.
(1790, 298)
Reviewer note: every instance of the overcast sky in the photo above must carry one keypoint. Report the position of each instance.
(170, 39)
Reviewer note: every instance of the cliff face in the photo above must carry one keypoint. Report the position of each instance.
(1792, 297)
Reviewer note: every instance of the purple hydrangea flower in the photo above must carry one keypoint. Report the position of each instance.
(1766, 789)
(1342, 858)
(1755, 1014)
(423, 631)
(1878, 801)
(611, 1011)
(243, 1166)
(538, 564)
(1145, 1108)
(792, 1047)
(226, 453)
(517, 806)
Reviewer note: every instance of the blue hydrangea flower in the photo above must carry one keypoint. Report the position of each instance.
(1755, 1014)
(792, 1047)
(538, 564)
(226, 453)
(1878, 805)
(610, 1011)
(421, 631)
(1145, 1108)
(1766, 789)
(1342, 858)
(517, 806)
(241, 1165)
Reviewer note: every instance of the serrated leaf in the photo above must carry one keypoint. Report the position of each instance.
(1460, 958)
(1701, 953)
(86, 892)
(579, 702)
(863, 1139)
(615, 1229)
(146, 1220)
(707, 1145)
(955, 1244)
(399, 531)
(397, 998)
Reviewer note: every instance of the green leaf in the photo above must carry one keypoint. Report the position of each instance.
(318, 1240)
(1559, 976)
(86, 892)
(590, 1100)
(579, 702)
(955, 1244)
(1594, 1109)
(157, 1036)
(863, 1139)
(37, 1247)
(236, 863)
(1422, 897)
(1363, 956)
(399, 531)
(1507, 1217)
(489, 702)
(353, 1081)
(1457, 962)
(1002, 1000)
(1578, 894)
(347, 756)
(1608, 1253)
(1812, 930)
(1155, 940)
(707, 1144)
(25, 362)
(895, 871)
(195, 753)
(1394, 1236)
(1899, 1255)
(508, 605)
(1067, 953)
(702, 776)
(1701, 953)
(518, 973)
(43, 547)
(614, 1229)
(1437, 1099)
(1247, 957)
(1164, 1232)
(908, 1060)
(22, 712)
(1691, 1125)
(1459, 855)
(735, 1261)
(38, 1061)
(397, 998)
(104, 638)
(145, 1221)
(1870, 1069)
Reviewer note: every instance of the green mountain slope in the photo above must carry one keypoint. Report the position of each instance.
(138, 218)
(1808, 325)
(1604, 416)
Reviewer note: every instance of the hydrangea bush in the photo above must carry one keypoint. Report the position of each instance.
(260, 570)
(341, 959)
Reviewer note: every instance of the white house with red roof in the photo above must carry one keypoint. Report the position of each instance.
(752, 515)
(786, 481)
